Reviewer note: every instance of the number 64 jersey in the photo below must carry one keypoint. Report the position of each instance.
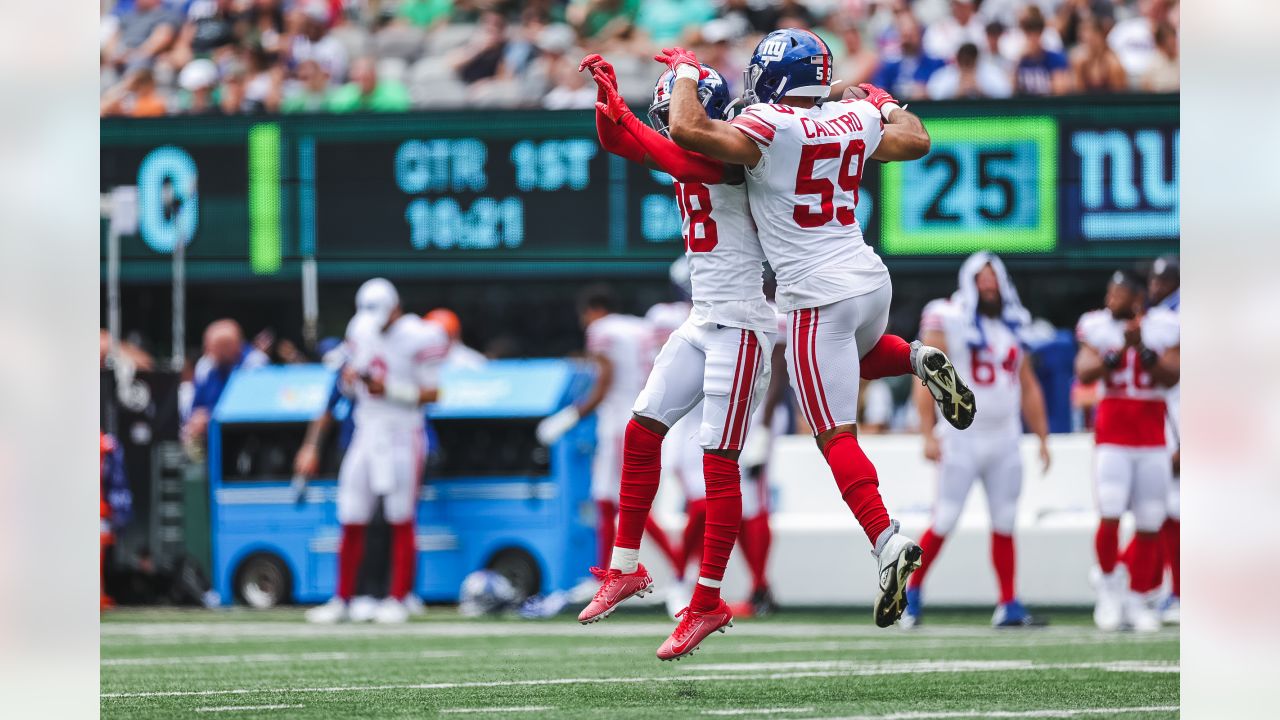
(803, 193)
(1132, 410)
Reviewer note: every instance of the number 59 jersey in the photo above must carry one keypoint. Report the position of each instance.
(726, 264)
(803, 194)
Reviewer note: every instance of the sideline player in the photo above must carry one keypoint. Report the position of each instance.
(392, 367)
(985, 318)
(620, 347)
(460, 355)
(1136, 356)
(804, 162)
(716, 357)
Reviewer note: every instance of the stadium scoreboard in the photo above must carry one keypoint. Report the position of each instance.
(522, 192)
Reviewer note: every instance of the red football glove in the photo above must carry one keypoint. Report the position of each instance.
(614, 107)
(601, 72)
(878, 96)
(675, 57)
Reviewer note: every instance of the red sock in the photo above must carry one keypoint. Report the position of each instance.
(889, 358)
(694, 528)
(659, 537)
(1004, 561)
(1171, 539)
(724, 516)
(404, 559)
(755, 541)
(859, 486)
(930, 546)
(350, 553)
(1145, 571)
(1107, 544)
(641, 470)
(606, 529)
(1126, 555)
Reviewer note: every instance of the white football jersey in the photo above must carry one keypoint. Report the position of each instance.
(803, 194)
(988, 361)
(726, 264)
(1105, 333)
(410, 351)
(627, 341)
(666, 318)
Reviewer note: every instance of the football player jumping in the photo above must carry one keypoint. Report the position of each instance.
(804, 160)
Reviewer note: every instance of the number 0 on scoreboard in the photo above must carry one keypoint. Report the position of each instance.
(987, 184)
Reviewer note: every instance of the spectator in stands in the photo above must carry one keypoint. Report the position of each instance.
(907, 74)
(1134, 40)
(425, 13)
(211, 25)
(1162, 73)
(991, 48)
(198, 79)
(945, 36)
(142, 35)
(859, 62)
(666, 21)
(1072, 13)
(265, 25)
(571, 90)
(602, 19)
(135, 96)
(231, 94)
(264, 87)
(1095, 67)
(718, 52)
(481, 58)
(314, 42)
(368, 93)
(970, 76)
(1040, 71)
(310, 93)
(1013, 43)
(225, 351)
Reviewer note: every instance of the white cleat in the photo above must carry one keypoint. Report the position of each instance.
(362, 608)
(391, 612)
(899, 557)
(908, 621)
(334, 611)
(414, 605)
(1109, 612)
(954, 398)
(1143, 615)
(1171, 613)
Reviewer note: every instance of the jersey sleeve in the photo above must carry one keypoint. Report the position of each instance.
(1091, 330)
(1160, 330)
(683, 165)
(430, 349)
(760, 123)
(599, 339)
(934, 316)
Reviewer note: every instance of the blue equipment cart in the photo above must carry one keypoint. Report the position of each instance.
(494, 498)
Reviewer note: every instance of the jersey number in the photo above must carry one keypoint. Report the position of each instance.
(984, 370)
(694, 200)
(849, 176)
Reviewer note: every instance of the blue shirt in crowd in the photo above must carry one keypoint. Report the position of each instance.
(1035, 75)
(898, 75)
(210, 379)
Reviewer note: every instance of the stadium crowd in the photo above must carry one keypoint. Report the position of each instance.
(228, 57)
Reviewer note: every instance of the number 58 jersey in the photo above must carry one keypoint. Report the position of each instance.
(803, 194)
(726, 264)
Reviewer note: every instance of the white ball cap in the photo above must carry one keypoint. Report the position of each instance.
(199, 73)
(376, 299)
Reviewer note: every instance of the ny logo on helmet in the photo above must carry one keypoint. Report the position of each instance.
(772, 50)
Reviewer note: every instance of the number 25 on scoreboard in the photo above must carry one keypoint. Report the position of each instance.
(987, 184)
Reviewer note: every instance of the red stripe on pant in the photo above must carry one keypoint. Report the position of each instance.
(801, 355)
(817, 376)
(740, 402)
(733, 392)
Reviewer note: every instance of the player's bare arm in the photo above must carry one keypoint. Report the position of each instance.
(904, 135)
(1033, 410)
(690, 127)
(925, 403)
(604, 380)
(1090, 366)
(776, 392)
(307, 460)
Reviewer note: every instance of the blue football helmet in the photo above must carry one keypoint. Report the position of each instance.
(713, 91)
(788, 62)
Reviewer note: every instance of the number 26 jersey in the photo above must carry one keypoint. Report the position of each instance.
(803, 193)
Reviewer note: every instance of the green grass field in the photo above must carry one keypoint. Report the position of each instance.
(241, 663)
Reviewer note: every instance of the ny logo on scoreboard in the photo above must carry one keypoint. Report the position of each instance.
(1128, 183)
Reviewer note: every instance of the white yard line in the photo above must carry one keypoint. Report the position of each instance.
(525, 708)
(1075, 712)
(820, 670)
(276, 658)
(239, 708)
(756, 711)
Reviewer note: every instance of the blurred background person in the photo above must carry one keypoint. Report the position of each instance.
(198, 79)
(970, 76)
(1039, 71)
(1095, 67)
(225, 352)
(135, 96)
(944, 37)
(906, 73)
(1162, 74)
(1134, 39)
(115, 501)
(142, 35)
(460, 356)
(367, 92)
(310, 93)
